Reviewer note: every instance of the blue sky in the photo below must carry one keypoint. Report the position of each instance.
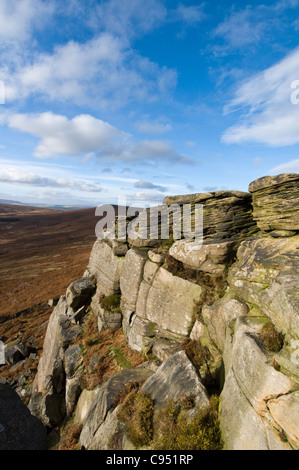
(143, 99)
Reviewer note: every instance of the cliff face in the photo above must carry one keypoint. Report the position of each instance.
(218, 318)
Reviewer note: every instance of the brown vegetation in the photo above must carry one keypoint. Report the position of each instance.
(41, 252)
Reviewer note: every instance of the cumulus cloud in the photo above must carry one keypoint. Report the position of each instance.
(18, 176)
(102, 72)
(19, 17)
(87, 135)
(60, 135)
(269, 116)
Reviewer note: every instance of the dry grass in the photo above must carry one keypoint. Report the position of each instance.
(70, 436)
(112, 350)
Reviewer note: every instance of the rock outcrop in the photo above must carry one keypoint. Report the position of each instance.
(275, 203)
(19, 430)
(221, 316)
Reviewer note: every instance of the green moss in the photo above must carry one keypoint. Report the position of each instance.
(119, 357)
(110, 302)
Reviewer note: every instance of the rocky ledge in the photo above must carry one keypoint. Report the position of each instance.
(215, 328)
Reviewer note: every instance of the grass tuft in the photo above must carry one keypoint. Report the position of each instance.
(137, 412)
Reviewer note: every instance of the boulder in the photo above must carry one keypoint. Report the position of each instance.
(19, 430)
(103, 402)
(227, 215)
(139, 333)
(170, 302)
(251, 385)
(72, 360)
(218, 316)
(266, 274)
(105, 267)
(84, 404)
(275, 202)
(285, 411)
(254, 373)
(175, 379)
(13, 354)
(109, 320)
(131, 276)
(209, 257)
(79, 293)
(242, 428)
(164, 348)
(48, 398)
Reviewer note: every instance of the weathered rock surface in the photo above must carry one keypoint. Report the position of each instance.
(209, 257)
(48, 399)
(285, 411)
(103, 402)
(175, 379)
(226, 214)
(19, 430)
(266, 274)
(170, 302)
(251, 382)
(105, 266)
(276, 202)
(130, 278)
(218, 316)
(79, 293)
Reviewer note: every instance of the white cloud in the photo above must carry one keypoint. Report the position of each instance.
(191, 14)
(252, 25)
(128, 18)
(288, 167)
(19, 17)
(270, 117)
(59, 135)
(19, 176)
(86, 135)
(102, 72)
(241, 28)
(133, 18)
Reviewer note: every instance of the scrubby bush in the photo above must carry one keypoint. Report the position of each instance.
(272, 339)
(137, 413)
(174, 430)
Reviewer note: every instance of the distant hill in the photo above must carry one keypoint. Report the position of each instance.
(8, 201)
(44, 206)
